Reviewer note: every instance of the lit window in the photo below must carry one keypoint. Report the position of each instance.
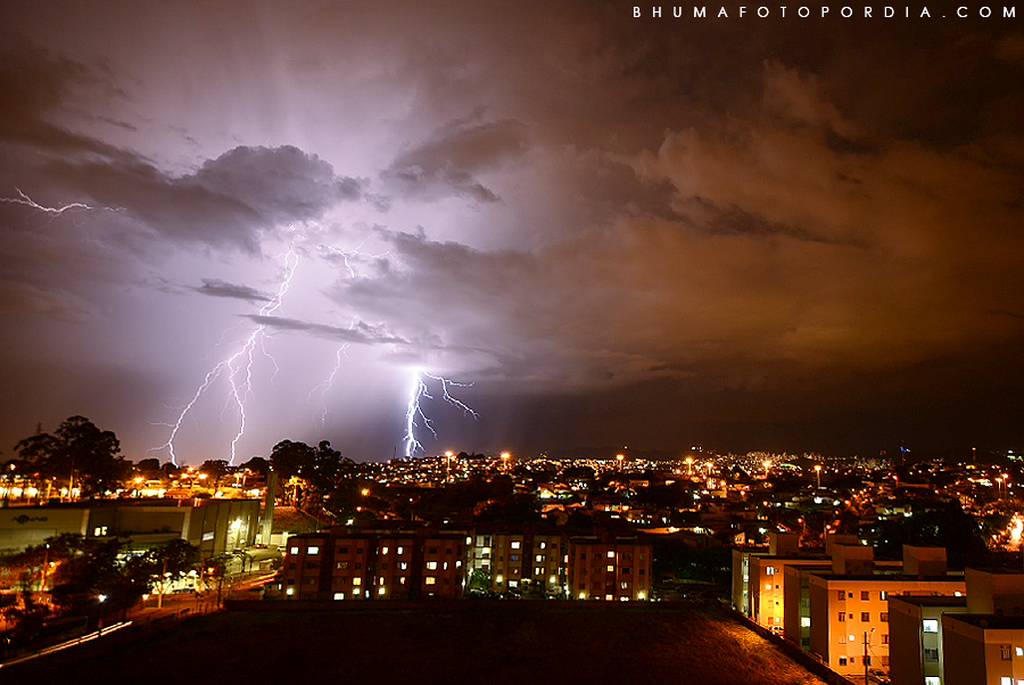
(611, 554)
(930, 625)
(339, 595)
(381, 580)
(403, 566)
(1006, 680)
(769, 571)
(293, 550)
(499, 579)
(516, 544)
(641, 595)
(431, 565)
(431, 580)
(553, 580)
(400, 550)
(357, 581)
(513, 583)
(543, 545)
(469, 540)
(383, 550)
(609, 568)
(582, 594)
(539, 558)
(609, 598)
(99, 531)
(401, 581)
(313, 551)
(381, 591)
(1019, 651)
(883, 595)
(805, 621)
(290, 591)
(931, 680)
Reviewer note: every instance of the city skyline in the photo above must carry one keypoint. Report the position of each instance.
(605, 231)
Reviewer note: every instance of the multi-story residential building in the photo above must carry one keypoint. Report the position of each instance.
(850, 610)
(767, 586)
(915, 637)
(442, 558)
(988, 649)
(521, 561)
(375, 565)
(796, 602)
(302, 571)
(351, 566)
(391, 564)
(609, 569)
(395, 571)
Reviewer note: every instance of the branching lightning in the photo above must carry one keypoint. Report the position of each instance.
(26, 201)
(241, 361)
(414, 416)
(325, 385)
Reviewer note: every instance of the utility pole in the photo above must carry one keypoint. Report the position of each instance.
(867, 658)
(163, 584)
(866, 662)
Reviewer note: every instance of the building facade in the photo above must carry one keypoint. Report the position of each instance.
(613, 569)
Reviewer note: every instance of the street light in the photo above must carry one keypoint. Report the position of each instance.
(689, 465)
(817, 470)
(448, 454)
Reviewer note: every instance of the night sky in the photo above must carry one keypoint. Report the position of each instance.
(757, 234)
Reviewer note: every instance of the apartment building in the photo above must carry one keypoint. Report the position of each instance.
(521, 562)
(303, 569)
(443, 565)
(915, 637)
(375, 565)
(796, 602)
(988, 649)
(611, 569)
(849, 607)
(768, 586)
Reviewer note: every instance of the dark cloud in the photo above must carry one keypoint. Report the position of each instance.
(214, 287)
(360, 333)
(450, 160)
(643, 231)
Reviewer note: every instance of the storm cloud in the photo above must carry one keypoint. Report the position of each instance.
(623, 231)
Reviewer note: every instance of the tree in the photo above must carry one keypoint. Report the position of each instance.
(167, 562)
(257, 465)
(148, 467)
(79, 452)
(290, 458)
(947, 526)
(27, 616)
(215, 469)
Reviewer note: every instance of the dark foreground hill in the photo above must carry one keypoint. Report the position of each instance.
(465, 642)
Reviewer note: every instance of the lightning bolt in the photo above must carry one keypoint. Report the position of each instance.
(26, 201)
(325, 385)
(414, 416)
(349, 256)
(241, 362)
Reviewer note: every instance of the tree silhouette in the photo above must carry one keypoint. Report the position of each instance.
(78, 452)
